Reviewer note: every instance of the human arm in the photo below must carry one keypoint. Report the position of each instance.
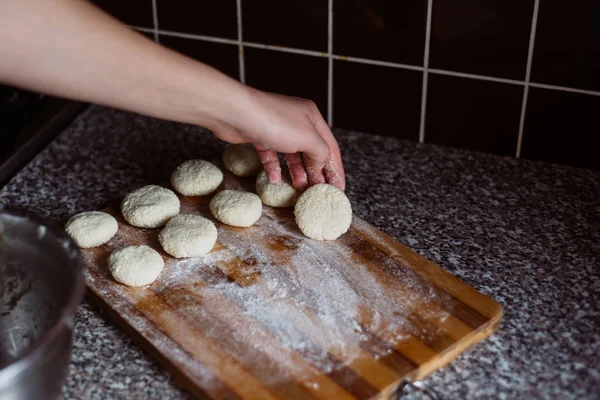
(69, 48)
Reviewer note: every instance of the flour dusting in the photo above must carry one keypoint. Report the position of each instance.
(303, 307)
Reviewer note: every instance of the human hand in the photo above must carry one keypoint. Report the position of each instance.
(293, 126)
(146, 78)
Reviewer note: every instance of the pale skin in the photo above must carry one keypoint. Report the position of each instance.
(70, 48)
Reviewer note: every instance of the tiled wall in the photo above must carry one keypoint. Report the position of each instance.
(512, 77)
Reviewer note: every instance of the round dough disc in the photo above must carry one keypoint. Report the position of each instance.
(91, 228)
(150, 206)
(236, 208)
(188, 235)
(282, 195)
(196, 178)
(323, 212)
(242, 159)
(135, 265)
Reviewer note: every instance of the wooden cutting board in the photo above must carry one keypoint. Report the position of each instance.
(271, 314)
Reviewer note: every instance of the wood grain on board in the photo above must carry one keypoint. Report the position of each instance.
(271, 314)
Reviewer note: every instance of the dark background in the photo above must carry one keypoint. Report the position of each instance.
(476, 75)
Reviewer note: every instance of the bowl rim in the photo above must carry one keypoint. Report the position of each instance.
(36, 350)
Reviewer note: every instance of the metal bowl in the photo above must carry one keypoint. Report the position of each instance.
(41, 285)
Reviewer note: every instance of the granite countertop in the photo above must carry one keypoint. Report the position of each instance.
(525, 233)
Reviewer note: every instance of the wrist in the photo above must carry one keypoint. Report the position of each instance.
(220, 100)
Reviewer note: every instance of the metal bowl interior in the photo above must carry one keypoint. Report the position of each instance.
(41, 284)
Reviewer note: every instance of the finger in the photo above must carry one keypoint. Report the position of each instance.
(270, 163)
(297, 171)
(333, 168)
(316, 149)
(314, 175)
(332, 175)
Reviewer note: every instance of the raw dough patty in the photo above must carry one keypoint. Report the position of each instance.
(91, 228)
(188, 235)
(242, 159)
(323, 212)
(135, 265)
(236, 208)
(196, 178)
(282, 195)
(150, 206)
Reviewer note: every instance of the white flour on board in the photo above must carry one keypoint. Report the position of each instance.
(310, 296)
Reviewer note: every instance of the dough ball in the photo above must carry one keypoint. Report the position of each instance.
(91, 228)
(135, 265)
(282, 195)
(236, 208)
(242, 159)
(150, 206)
(196, 178)
(323, 212)
(188, 235)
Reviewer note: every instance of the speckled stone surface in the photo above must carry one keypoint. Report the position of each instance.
(525, 233)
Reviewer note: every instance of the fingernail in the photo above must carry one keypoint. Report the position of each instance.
(300, 181)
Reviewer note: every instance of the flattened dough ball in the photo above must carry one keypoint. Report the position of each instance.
(150, 206)
(196, 178)
(91, 228)
(135, 265)
(236, 208)
(283, 194)
(188, 235)
(242, 159)
(323, 212)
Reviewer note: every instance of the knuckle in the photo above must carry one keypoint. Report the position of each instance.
(310, 105)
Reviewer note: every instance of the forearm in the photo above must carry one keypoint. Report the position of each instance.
(69, 48)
